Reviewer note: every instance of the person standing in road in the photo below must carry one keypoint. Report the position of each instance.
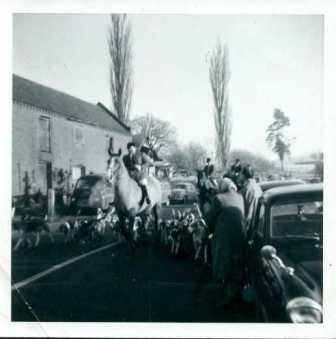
(225, 220)
(251, 192)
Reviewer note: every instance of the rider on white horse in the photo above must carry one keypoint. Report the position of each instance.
(135, 162)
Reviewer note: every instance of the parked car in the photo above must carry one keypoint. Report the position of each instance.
(266, 185)
(166, 192)
(183, 192)
(91, 192)
(285, 254)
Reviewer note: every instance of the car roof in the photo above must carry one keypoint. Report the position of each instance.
(266, 185)
(293, 190)
(91, 176)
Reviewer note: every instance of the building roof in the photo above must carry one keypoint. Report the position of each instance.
(72, 108)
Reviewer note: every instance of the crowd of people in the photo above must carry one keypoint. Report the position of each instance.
(222, 223)
(228, 212)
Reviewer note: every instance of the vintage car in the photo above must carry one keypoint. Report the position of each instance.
(183, 192)
(91, 192)
(266, 185)
(284, 255)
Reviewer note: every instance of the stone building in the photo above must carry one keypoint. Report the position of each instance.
(57, 137)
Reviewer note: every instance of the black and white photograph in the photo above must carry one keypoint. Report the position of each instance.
(167, 169)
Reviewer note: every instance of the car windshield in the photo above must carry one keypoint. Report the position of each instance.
(88, 182)
(181, 186)
(187, 187)
(302, 219)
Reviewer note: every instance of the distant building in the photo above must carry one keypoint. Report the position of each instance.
(57, 137)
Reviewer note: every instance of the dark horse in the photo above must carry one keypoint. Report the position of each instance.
(128, 195)
(206, 188)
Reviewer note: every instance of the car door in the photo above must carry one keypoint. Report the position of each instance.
(256, 238)
(263, 272)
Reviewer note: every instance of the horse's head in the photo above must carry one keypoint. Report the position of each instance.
(114, 164)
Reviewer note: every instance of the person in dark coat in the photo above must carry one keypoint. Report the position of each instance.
(226, 222)
(236, 167)
(208, 168)
(135, 162)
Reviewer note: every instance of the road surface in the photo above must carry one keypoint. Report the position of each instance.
(104, 282)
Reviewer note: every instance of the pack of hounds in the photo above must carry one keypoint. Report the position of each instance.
(75, 230)
(181, 227)
(184, 226)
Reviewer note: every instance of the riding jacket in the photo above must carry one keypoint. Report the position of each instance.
(136, 164)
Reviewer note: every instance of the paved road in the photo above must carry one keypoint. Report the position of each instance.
(111, 285)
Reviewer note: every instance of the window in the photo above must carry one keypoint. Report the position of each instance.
(78, 135)
(297, 219)
(44, 134)
(111, 144)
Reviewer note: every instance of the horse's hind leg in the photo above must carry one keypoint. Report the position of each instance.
(48, 231)
(127, 233)
(156, 222)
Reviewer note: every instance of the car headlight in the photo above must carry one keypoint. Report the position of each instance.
(304, 310)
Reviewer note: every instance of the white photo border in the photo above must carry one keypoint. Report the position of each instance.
(164, 330)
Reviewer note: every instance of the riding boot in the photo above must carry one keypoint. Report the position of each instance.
(144, 195)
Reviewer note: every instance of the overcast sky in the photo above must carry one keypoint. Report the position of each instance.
(275, 61)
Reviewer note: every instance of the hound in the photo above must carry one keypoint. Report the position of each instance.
(137, 224)
(69, 229)
(200, 240)
(33, 226)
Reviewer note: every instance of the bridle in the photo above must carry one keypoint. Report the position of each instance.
(111, 172)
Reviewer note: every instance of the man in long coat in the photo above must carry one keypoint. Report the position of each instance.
(226, 221)
(251, 192)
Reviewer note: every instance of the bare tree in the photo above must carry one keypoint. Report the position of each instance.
(196, 154)
(121, 70)
(191, 156)
(161, 134)
(219, 78)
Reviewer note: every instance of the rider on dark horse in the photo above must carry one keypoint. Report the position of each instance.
(209, 170)
(135, 162)
(236, 169)
(206, 183)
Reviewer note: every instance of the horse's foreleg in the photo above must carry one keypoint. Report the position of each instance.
(172, 249)
(51, 237)
(205, 254)
(197, 253)
(37, 239)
